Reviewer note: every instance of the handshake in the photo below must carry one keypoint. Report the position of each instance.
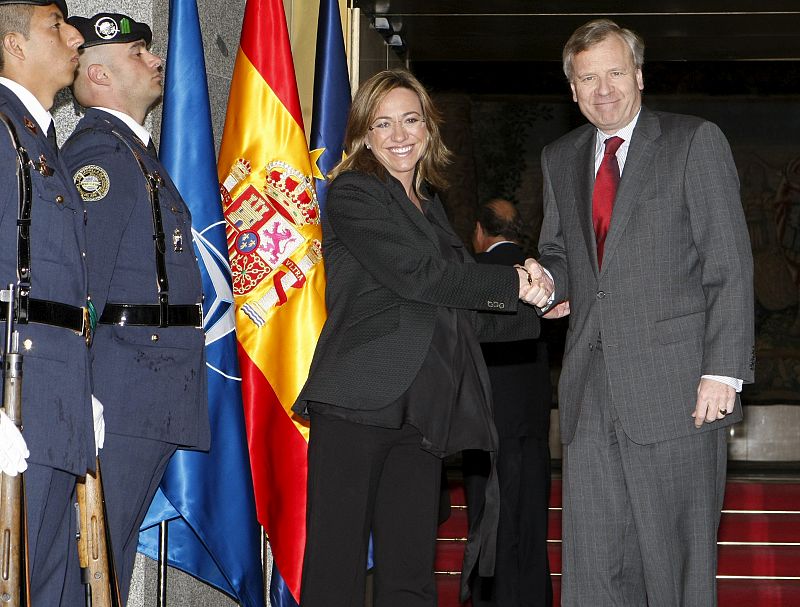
(536, 288)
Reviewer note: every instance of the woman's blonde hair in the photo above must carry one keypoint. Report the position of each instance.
(435, 157)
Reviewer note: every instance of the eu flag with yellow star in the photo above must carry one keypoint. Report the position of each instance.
(331, 96)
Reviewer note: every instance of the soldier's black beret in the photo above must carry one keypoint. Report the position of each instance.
(110, 28)
(61, 4)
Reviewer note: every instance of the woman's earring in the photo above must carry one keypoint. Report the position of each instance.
(369, 147)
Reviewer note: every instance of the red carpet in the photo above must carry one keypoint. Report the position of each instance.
(759, 545)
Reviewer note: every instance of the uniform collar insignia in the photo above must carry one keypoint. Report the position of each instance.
(30, 125)
(42, 167)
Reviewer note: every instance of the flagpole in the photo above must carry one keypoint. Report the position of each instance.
(264, 561)
(163, 540)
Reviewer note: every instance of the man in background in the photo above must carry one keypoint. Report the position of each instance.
(521, 393)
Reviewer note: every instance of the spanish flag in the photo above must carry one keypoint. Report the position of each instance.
(274, 242)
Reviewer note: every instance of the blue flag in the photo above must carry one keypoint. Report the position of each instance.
(207, 497)
(331, 95)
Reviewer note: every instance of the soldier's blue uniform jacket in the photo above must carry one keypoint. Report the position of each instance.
(151, 380)
(56, 405)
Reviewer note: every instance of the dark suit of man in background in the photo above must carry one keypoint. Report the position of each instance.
(522, 395)
(660, 336)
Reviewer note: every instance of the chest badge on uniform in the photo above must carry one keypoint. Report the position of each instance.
(30, 125)
(177, 240)
(92, 182)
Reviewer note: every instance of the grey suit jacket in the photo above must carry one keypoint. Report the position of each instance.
(386, 278)
(674, 299)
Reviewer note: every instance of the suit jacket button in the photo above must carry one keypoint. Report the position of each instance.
(601, 294)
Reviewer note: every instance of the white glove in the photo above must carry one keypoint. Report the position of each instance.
(13, 449)
(99, 425)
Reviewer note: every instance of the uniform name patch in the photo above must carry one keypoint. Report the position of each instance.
(92, 182)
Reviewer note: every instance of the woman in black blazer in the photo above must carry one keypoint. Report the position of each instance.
(397, 380)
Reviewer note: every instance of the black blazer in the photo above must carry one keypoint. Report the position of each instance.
(519, 370)
(386, 278)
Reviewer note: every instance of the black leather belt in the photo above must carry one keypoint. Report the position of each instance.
(57, 314)
(149, 315)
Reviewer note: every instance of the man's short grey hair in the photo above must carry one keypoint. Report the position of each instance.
(594, 32)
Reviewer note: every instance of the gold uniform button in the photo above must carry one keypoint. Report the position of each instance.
(154, 337)
(60, 199)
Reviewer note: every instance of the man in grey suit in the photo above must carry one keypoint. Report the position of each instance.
(645, 237)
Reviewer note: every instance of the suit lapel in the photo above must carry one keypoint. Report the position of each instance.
(583, 182)
(635, 176)
(411, 211)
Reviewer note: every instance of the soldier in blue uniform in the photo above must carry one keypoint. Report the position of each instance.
(148, 351)
(45, 258)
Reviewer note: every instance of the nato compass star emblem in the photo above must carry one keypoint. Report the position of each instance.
(218, 314)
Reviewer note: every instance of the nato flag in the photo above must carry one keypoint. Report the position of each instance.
(207, 497)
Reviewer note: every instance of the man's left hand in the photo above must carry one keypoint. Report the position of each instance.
(714, 401)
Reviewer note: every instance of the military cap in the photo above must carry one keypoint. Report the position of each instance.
(61, 4)
(110, 28)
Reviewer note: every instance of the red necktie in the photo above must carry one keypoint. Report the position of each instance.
(605, 190)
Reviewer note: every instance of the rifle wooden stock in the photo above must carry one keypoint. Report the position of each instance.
(14, 578)
(94, 543)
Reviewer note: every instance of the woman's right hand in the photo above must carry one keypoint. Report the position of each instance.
(525, 281)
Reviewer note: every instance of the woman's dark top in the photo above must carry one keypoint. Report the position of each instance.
(447, 401)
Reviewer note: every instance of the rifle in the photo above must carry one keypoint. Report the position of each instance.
(94, 543)
(14, 577)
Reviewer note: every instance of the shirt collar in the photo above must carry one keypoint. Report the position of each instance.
(497, 244)
(138, 130)
(625, 133)
(42, 117)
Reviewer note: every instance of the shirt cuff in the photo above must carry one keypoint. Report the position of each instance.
(552, 297)
(734, 383)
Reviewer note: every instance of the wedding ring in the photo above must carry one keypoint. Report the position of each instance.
(524, 269)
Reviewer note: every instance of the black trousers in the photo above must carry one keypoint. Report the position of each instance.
(363, 478)
(522, 573)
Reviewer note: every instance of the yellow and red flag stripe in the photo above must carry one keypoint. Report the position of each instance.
(274, 242)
